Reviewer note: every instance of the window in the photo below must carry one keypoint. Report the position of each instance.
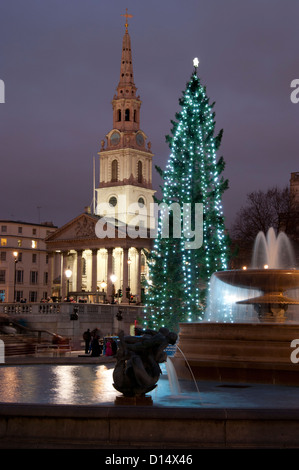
(3, 256)
(19, 276)
(46, 276)
(34, 257)
(32, 296)
(2, 295)
(19, 295)
(33, 277)
(20, 229)
(139, 172)
(127, 115)
(119, 115)
(114, 170)
(47, 259)
(19, 242)
(20, 256)
(3, 228)
(33, 244)
(34, 231)
(3, 241)
(2, 276)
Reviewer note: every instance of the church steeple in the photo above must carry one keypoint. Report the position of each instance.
(125, 156)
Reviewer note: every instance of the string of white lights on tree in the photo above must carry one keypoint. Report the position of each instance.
(179, 274)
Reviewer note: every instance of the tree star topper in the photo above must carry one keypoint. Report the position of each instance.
(196, 62)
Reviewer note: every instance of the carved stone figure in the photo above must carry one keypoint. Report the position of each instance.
(137, 370)
(85, 228)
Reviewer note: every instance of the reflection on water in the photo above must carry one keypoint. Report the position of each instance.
(91, 384)
(57, 384)
(77, 385)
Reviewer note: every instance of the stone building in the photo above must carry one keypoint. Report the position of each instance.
(103, 248)
(24, 261)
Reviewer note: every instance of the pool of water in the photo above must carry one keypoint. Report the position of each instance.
(69, 384)
(91, 384)
(57, 384)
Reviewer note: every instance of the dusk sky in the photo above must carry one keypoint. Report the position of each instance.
(60, 62)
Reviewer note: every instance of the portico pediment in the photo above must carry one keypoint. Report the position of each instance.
(82, 227)
(83, 233)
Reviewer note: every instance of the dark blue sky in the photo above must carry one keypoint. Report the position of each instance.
(60, 61)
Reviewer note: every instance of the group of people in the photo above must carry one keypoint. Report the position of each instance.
(95, 346)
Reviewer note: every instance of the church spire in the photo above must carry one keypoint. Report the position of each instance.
(126, 105)
(126, 87)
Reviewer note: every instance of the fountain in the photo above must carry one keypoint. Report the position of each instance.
(248, 330)
(72, 405)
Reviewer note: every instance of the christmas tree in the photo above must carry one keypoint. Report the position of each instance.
(179, 266)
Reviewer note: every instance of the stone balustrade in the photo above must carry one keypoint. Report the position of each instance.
(57, 317)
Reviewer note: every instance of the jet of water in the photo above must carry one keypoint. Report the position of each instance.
(275, 252)
(189, 369)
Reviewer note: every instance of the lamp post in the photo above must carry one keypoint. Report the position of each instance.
(16, 260)
(68, 274)
(129, 272)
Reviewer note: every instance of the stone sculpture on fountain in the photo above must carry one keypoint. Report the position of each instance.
(137, 370)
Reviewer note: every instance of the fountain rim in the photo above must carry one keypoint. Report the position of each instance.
(258, 270)
(261, 279)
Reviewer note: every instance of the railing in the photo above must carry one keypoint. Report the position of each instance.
(29, 308)
(11, 309)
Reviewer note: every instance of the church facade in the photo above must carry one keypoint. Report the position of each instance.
(103, 250)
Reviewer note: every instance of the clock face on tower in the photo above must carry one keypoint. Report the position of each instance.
(115, 138)
(139, 139)
(113, 201)
(141, 202)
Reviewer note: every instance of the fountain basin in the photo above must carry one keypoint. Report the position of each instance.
(238, 352)
(228, 417)
(270, 302)
(267, 280)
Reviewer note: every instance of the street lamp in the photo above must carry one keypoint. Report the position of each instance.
(68, 274)
(103, 285)
(16, 259)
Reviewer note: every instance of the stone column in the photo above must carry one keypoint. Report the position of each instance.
(50, 273)
(63, 276)
(124, 299)
(109, 273)
(79, 271)
(94, 277)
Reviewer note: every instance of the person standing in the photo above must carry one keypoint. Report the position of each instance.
(109, 351)
(87, 338)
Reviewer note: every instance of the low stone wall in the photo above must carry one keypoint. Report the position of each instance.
(127, 427)
(56, 318)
